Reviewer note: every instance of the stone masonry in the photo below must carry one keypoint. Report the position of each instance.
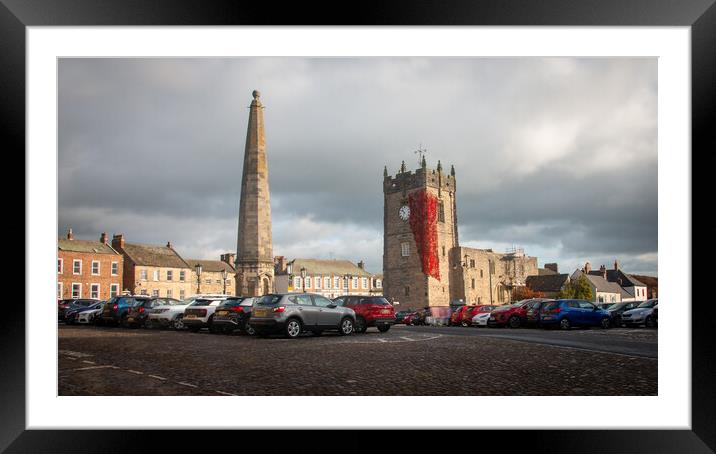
(254, 253)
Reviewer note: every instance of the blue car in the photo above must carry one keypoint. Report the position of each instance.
(569, 313)
(116, 311)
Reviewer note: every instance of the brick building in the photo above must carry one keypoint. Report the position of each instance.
(217, 276)
(88, 269)
(330, 278)
(154, 270)
(423, 263)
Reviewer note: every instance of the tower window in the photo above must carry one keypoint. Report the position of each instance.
(407, 290)
(472, 264)
(441, 212)
(443, 251)
(405, 249)
(473, 283)
(481, 273)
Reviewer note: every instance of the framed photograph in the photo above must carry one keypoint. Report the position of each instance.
(421, 217)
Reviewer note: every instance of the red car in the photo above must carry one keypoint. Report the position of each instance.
(513, 315)
(370, 311)
(472, 311)
(456, 316)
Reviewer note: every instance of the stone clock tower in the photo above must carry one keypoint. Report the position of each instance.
(419, 235)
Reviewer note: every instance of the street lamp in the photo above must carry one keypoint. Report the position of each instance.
(225, 275)
(197, 267)
(303, 279)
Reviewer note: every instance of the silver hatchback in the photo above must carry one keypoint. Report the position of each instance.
(294, 313)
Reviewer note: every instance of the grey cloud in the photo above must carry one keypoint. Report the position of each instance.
(557, 154)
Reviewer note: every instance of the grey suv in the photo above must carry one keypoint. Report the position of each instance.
(294, 313)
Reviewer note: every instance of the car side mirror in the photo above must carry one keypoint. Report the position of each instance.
(332, 306)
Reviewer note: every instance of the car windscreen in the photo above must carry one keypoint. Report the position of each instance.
(231, 302)
(551, 305)
(647, 304)
(375, 300)
(140, 302)
(269, 300)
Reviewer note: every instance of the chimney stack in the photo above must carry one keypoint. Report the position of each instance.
(552, 266)
(70, 235)
(587, 267)
(616, 265)
(103, 238)
(118, 241)
(361, 265)
(169, 244)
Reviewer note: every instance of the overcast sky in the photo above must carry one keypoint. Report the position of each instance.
(556, 155)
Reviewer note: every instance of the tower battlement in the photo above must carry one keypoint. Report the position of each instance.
(420, 178)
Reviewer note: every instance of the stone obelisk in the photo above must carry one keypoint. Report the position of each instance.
(254, 250)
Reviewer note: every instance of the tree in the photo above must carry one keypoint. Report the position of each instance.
(582, 289)
(567, 292)
(524, 293)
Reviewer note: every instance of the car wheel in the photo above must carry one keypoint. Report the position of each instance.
(606, 324)
(248, 329)
(292, 328)
(346, 327)
(178, 322)
(514, 322)
(565, 324)
(149, 324)
(123, 321)
(464, 324)
(360, 325)
(383, 328)
(212, 329)
(649, 322)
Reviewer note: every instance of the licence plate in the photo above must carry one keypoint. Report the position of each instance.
(260, 313)
(547, 317)
(130, 319)
(191, 316)
(385, 311)
(222, 313)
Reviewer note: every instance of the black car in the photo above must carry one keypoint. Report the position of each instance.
(616, 310)
(138, 312)
(77, 305)
(400, 315)
(533, 310)
(234, 313)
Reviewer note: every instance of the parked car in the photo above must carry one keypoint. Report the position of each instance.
(474, 311)
(412, 318)
(513, 315)
(655, 316)
(116, 310)
(171, 314)
(294, 313)
(78, 307)
(200, 313)
(400, 315)
(456, 316)
(370, 311)
(138, 314)
(534, 306)
(569, 313)
(91, 316)
(234, 313)
(617, 309)
(641, 315)
(481, 318)
(72, 303)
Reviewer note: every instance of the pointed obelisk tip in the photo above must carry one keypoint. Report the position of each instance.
(256, 94)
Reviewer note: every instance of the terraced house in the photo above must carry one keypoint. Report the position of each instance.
(88, 269)
(217, 276)
(330, 278)
(154, 270)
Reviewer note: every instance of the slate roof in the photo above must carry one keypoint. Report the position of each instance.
(603, 285)
(615, 275)
(149, 255)
(212, 266)
(93, 247)
(546, 282)
(325, 267)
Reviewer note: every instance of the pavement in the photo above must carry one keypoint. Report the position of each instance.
(418, 360)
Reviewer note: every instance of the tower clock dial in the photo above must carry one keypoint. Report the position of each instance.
(404, 212)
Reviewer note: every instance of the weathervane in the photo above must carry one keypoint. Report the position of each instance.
(421, 154)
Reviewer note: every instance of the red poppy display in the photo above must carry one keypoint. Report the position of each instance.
(423, 223)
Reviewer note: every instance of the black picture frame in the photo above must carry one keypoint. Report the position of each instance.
(700, 15)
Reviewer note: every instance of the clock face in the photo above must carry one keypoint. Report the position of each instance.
(404, 212)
